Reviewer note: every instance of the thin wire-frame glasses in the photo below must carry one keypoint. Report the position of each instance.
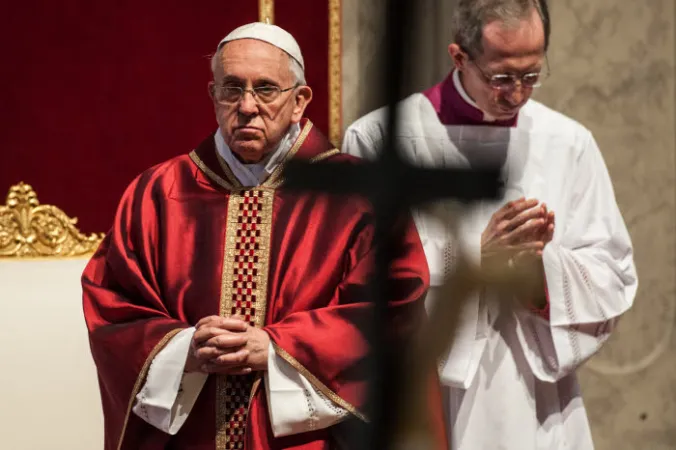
(508, 81)
(229, 95)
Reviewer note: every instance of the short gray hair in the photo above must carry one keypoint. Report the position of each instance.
(471, 16)
(294, 66)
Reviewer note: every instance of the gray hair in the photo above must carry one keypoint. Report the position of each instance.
(294, 66)
(471, 16)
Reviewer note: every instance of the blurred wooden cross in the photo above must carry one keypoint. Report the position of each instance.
(393, 186)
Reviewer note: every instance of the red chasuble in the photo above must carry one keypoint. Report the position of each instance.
(188, 242)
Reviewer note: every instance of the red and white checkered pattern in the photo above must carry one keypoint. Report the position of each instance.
(244, 301)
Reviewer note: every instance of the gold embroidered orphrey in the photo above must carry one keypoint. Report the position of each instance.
(29, 229)
(243, 293)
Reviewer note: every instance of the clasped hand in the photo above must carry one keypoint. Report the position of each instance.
(228, 346)
(517, 234)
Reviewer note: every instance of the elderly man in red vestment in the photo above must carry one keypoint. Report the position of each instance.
(224, 312)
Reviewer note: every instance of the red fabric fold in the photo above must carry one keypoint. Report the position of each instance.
(329, 341)
(126, 314)
(544, 311)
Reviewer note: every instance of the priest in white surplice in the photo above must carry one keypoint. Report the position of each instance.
(510, 377)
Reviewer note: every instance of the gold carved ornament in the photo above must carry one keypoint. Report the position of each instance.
(29, 229)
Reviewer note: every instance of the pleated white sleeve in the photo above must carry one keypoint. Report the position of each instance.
(590, 274)
(169, 394)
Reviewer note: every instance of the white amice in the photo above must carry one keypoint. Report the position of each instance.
(254, 174)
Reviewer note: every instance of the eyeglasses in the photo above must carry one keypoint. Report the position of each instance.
(508, 82)
(229, 95)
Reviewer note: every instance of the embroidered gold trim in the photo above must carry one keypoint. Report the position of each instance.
(275, 179)
(141, 378)
(210, 173)
(318, 384)
(266, 11)
(263, 253)
(335, 73)
(31, 230)
(244, 292)
(325, 155)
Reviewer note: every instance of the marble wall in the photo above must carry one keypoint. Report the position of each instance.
(612, 68)
(364, 49)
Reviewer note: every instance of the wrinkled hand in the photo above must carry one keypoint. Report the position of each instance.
(551, 225)
(544, 234)
(515, 238)
(515, 229)
(547, 230)
(228, 346)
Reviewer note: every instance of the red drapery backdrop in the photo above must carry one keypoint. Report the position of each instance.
(93, 93)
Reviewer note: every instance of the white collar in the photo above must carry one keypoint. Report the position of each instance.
(463, 93)
(250, 175)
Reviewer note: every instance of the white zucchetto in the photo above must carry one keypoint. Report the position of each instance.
(272, 34)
